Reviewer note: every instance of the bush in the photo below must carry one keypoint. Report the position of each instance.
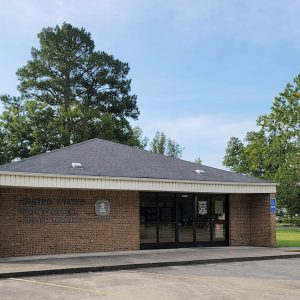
(288, 220)
(295, 220)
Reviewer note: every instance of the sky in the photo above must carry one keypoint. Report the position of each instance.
(203, 71)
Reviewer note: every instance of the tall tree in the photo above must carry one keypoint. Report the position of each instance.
(273, 152)
(69, 92)
(198, 161)
(164, 145)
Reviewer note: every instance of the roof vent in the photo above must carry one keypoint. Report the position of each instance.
(200, 172)
(77, 166)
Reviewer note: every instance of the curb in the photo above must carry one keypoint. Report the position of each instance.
(141, 266)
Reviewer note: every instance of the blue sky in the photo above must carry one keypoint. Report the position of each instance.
(203, 70)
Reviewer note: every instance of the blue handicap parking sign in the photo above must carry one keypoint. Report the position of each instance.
(273, 205)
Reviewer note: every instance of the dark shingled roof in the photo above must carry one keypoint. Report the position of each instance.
(104, 158)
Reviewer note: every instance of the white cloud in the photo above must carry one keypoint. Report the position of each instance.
(30, 13)
(201, 135)
(252, 21)
(259, 22)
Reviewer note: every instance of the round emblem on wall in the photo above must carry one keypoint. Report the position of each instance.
(102, 208)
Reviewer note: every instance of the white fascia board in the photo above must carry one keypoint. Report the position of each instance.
(57, 181)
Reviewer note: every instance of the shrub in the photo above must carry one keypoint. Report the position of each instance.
(296, 220)
(288, 220)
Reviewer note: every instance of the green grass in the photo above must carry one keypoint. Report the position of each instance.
(288, 236)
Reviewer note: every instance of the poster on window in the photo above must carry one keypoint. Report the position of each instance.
(202, 207)
(219, 207)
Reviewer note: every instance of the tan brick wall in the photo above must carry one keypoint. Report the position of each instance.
(239, 220)
(250, 220)
(40, 228)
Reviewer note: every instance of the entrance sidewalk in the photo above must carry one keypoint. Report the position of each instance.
(109, 261)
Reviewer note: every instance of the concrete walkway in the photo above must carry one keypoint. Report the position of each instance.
(108, 261)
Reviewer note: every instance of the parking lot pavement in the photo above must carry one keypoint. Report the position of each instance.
(271, 279)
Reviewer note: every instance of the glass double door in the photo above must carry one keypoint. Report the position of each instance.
(201, 218)
(211, 224)
(171, 220)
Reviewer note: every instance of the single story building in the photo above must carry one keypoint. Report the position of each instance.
(103, 196)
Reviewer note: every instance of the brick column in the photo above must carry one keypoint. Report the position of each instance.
(250, 220)
(239, 220)
(263, 223)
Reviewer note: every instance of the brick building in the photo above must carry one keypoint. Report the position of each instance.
(103, 196)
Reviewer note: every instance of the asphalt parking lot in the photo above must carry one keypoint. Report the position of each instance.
(271, 279)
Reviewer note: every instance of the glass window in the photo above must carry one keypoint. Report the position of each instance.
(183, 218)
(148, 218)
(219, 217)
(166, 204)
(165, 200)
(148, 200)
(219, 232)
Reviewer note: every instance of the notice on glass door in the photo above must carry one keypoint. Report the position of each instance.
(202, 208)
(219, 207)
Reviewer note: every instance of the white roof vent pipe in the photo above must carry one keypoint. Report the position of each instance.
(77, 166)
(200, 172)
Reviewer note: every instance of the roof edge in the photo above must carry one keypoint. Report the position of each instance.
(142, 179)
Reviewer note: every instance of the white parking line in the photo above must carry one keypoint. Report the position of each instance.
(62, 286)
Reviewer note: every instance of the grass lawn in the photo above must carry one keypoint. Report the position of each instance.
(288, 236)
